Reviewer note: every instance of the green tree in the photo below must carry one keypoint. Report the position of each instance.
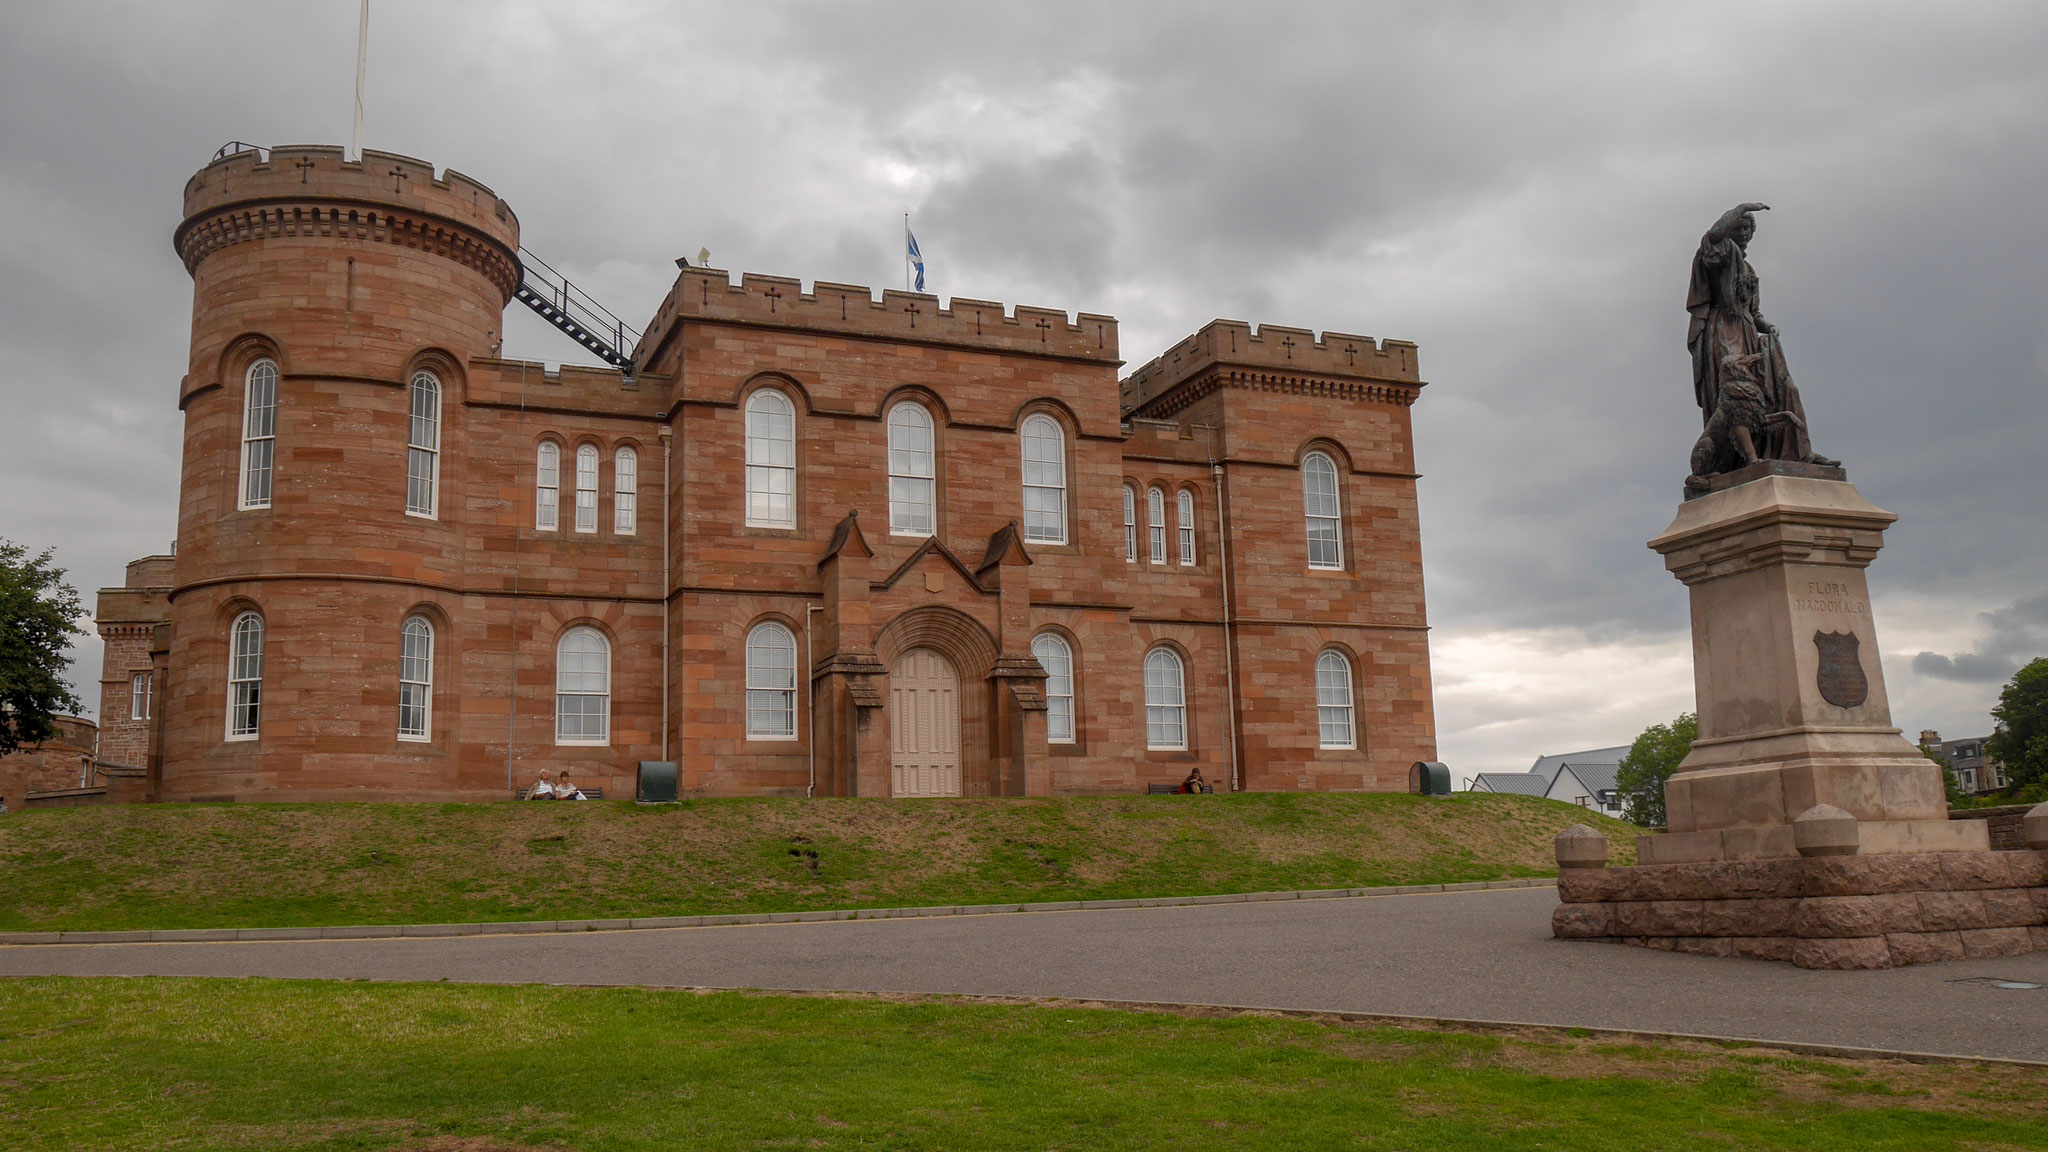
(1650, 761)
(2021, 742)
(37, 614)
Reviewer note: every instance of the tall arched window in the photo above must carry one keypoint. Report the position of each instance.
(423, 452)
(1045, 480)
(625, 491)
(1130, 525)
(415, 679)
(138, 695)
(911, 474)
(1155, 523)
(1058, 660)
(771, 460)
(1166, 702)
(583, 687)
(1333, 701)
(1325, 516)
(1185, 506)
(259, 432)
(245, 677)
(547, 487)
(771, 683)
(586, 487)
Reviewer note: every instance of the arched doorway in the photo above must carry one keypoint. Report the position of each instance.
(924, 725)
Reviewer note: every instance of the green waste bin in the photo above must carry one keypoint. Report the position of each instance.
(1430, 778)
(657, 782)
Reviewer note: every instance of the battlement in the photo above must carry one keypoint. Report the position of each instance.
(1273, 348)
(708, 294)
(319, 172)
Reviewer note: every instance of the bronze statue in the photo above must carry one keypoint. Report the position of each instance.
(1742, 418)
(1728, 337)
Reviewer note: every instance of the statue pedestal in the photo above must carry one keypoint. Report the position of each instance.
(1790, 691)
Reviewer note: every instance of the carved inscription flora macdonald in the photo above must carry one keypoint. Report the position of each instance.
(1827, 596)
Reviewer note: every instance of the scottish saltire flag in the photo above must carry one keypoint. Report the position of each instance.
(916, 258)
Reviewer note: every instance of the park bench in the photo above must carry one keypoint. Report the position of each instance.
(588, 793)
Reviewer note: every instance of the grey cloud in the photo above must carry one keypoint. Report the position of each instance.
(2014, 636)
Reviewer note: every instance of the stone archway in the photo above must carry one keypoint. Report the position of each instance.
(965, 647)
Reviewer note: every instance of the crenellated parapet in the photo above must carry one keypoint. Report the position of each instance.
(313, 191)
(1272, 357)
(708, 294)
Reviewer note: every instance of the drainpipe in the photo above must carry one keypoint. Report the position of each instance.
(1229, 649)
(811, 700)
(667, 446)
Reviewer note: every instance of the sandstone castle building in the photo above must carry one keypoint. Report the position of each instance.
(797, 542)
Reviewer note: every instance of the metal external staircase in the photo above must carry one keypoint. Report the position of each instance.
(587, 322)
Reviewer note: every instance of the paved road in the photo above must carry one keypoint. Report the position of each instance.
(1464, 955)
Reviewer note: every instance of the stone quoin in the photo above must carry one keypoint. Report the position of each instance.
(813, 542)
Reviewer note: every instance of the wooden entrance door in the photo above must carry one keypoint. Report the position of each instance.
(924, 725)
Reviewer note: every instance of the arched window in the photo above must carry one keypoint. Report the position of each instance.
(1058, 661)
(1155, 522)
(625, 491)
(583, 687)
(1186, 523)
(1130, 525)
(1325, 517)
(771, 460)
(1166, 701)
(415, 679)
(259, 432)
(771, 683)
(911, 476)
(1045, 480)
(423, 454)
(245, 677)
(547, 487)
(586, 487)
(138, 695)
(1333, 701)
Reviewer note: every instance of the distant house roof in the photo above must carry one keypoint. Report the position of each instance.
(1547, 766)
(1595, 778)
(1518, 783)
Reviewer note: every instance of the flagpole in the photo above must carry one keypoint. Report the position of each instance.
(906, 244)
(362, 51)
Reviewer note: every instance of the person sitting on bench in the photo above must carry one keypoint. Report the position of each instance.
(1194, 784)
(567, 791)
(545, 790)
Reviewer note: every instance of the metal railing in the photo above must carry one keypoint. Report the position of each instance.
(582, 319)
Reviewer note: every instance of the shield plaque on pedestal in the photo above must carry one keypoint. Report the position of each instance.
(1840, 676)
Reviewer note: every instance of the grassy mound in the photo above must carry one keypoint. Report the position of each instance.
(293, 865)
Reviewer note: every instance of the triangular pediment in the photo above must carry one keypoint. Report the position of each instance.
(926, 551)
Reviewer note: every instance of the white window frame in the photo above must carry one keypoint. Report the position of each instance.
(1130, 525)
(245, 676)
(913, 471)
(625, 491)
(258, 474)
(1155, 522)
(423, 446)
(771, 460)
(1184, 522)
(1323, 511)
(1336, 719)
(586, 487)
(592, 680)
(547, 487)
(416, 679)
(1056, 656)
(771, 682)
(1044, 448)
(140, 687)
(1166, 701)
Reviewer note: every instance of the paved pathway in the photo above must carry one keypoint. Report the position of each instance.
(1463, 955)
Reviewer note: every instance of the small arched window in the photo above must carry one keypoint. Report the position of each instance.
(1185, 506)
(771, 460)
(1166, 701)
(1155, 521)
(583, 687)
(771, 683)
(1058, 661)
(423, 451)
(547, 487)
(1333, 701)
(245, 677)
(1324, 515)
(1045, 480)
(625, 491)
(912, 479)
(415, 679)
(1130, 525)
(586, 487)
(259, 432)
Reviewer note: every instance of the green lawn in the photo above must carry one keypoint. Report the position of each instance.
(280, 865)
(130, 1064)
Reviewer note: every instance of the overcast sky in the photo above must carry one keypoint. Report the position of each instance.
(1516, 187)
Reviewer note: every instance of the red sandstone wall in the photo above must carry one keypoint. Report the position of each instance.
(50, 766)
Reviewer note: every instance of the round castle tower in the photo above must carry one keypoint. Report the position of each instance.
(335, 307)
